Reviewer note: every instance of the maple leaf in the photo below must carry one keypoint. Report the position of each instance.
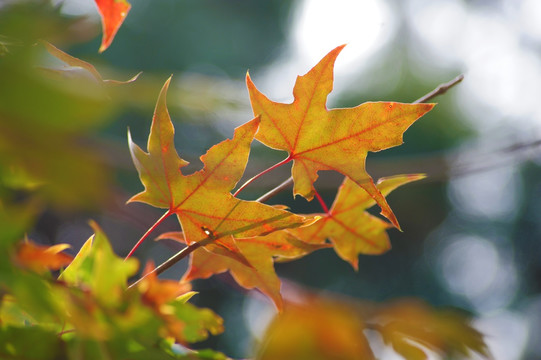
(156, 292)
(315, 330)
(42, 258)
(352, 230)
(316, 327)
(78, 63)
(99, 268)
(168, 298)
(338, 139)
(260, 252)
(411, 326)
(202, 201)
(113, 13)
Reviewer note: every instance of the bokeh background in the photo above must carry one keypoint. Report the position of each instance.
(472, 230)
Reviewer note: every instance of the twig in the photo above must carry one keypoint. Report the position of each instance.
(173, 260)
(275, 191)
(441, 89)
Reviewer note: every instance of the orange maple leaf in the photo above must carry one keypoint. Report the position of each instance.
(113, 13)
(41, 258)
(164, 296)
(352, 230)
(338, 139)
(156, 292)
(202, 201)
(260, 252)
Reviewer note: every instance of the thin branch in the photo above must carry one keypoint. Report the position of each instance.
(174, 259)
(211, 237)
(440, 90)
(276, 190)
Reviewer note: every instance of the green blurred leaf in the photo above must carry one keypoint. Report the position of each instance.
(98, 267)
(15, 220)
(196, 324)
(29, 343)
(206, 354)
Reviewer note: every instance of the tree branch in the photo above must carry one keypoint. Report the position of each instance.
(174, 259)
(440, 90)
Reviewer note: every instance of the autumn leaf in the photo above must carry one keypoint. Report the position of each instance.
(202, 201)
(42, 258)
(78, 63)
(156, 292)
(182, 321)
(317, 330)
(352, 230)
(113, 13)
(260, 252)
(316, 327)
(338, 139)
(58, 116)
(410, 326)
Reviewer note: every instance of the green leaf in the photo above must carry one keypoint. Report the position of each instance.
(197, 323)
(29, 343)
(98, 267)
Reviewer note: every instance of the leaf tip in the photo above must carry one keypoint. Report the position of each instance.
(95, 227)
(249, 82)
(167, 82)
(417, 177)
(113, 14)
(392, 218)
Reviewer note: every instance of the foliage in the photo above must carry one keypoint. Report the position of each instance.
(84, 307)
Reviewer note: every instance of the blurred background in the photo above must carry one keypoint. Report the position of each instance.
(472, 230)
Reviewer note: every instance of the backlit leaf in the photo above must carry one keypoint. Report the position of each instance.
(316, 327)
(409, 325)
(202, 201)
(113, 13)
(259, 251)
(338, 139)
(78, 63)
(42, 258)
(352, 230)
(316, 331)
(156, 292)
(99, 268)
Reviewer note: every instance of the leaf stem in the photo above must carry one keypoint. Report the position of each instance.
(285, 161)
(321, 202)
(65, 332)
(150, 230)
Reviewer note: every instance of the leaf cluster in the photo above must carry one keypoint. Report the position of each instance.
(84, 307)
(89, 312)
